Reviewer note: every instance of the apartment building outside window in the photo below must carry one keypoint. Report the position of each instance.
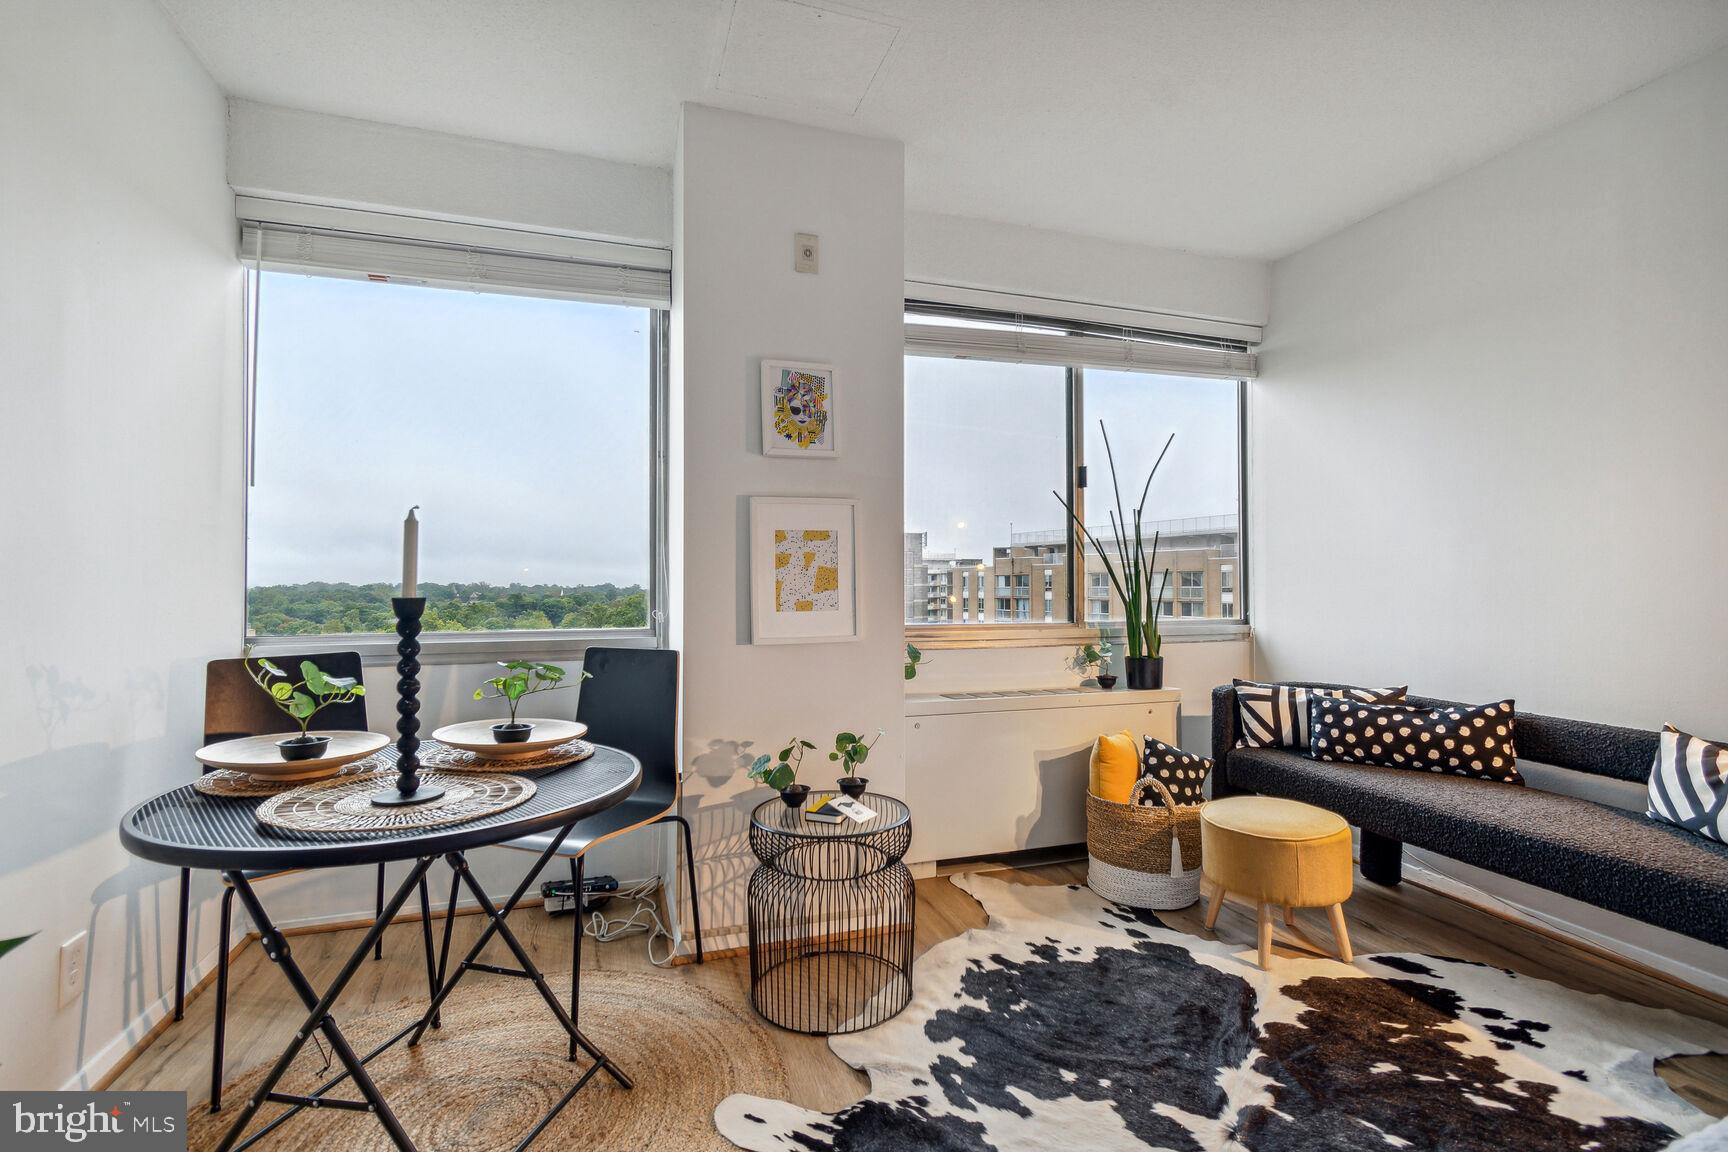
(991, 442)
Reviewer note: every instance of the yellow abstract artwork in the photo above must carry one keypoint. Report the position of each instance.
(807, 567)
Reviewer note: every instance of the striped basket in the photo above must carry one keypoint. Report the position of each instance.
(1144, 856)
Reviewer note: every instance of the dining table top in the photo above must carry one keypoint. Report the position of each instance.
(186, 828)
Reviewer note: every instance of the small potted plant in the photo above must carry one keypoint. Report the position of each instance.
(1094, 658)
(521, 679)
(303, 699)
(781, 771)
(851, 751)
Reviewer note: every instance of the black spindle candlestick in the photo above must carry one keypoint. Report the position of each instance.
(409, 789)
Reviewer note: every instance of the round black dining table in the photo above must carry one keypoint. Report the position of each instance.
(185, 828)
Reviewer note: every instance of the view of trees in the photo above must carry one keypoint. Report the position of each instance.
(310, 609)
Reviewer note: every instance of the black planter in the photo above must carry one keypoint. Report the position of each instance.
(1107, 680)
(793, 794)
(1145, 672)
(303, 747)
(853, 786)
(511, 733)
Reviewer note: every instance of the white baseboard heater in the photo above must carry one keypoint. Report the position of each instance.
(993, 772)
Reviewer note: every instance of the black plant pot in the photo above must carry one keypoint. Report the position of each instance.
(793, 794)
(511, 732)
(1145, 672)
(1106, 680)
(853, 786)
(303, 747)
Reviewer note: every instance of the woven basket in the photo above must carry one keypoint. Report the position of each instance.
(1144, 856)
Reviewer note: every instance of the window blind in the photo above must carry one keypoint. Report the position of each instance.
(945, 330)
(296, 248)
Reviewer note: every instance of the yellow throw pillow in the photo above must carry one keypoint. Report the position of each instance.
(1115, 767)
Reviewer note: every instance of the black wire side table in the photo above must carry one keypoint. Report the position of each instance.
(831, 916)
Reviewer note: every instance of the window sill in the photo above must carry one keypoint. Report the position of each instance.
(943, 637)
(461, 647)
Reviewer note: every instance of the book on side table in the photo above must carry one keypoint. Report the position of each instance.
(837, 809)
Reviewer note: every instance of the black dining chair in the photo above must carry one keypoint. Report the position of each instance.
(632, 704)
(235, 707)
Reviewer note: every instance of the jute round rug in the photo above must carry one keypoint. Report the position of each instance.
(499, 1063)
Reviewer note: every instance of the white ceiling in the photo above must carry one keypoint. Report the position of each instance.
(1236, 127)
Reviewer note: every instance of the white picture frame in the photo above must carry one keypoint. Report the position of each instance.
(813, 534)
(812, 399)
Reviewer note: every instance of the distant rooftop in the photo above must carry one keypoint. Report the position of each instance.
(1185, 526)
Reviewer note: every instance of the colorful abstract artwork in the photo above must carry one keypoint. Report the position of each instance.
(798, 417)
(806, 571)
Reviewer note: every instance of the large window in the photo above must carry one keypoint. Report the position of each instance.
(522, 426)
(989, 440)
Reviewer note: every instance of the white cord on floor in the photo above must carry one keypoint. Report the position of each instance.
(644, 917)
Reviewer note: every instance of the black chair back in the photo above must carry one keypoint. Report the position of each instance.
(632, 703)
(234, 706)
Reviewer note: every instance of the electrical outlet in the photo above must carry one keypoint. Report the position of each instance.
(804, 251)
(72, 968)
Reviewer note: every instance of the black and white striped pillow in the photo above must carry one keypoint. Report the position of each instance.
(1689, 784)
(1276, 715)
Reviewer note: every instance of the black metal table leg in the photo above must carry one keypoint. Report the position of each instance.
(318, 1014)
(180, 944)
(496, 926)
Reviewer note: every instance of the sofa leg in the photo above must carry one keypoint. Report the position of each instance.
(1382, 859)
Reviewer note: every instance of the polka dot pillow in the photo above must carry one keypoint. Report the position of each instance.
(1467, 740)
(1182, 772)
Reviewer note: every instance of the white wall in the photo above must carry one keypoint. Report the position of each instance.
(119, 440)
(984, 254)
(1488, 438)
(295, 155)
(1487, 450)
(742, 187)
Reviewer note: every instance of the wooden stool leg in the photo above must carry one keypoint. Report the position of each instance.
(1265, 935)
(1340, 931)
(1289, 916)
(1212, 909)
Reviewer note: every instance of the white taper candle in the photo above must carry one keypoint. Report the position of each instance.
(411, 555)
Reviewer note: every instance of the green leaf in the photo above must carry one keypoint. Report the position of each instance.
(912, 671)
(833, 755)
(785, 755)
(480, 693)
(271, 668)
(781, 778)
(7, 945)
(844, 739)
(302, 706)
(316, 681)
(281, 690)
(357, 690)
(806, 744)
(860, 753)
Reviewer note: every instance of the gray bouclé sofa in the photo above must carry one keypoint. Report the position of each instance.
(1577, 827)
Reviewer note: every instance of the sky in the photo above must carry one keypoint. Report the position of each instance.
(520, 426)
(985, 447)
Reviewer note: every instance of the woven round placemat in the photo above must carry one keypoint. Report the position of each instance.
(344, 804)
(226, 782)
(479, 1083)
(447, 759)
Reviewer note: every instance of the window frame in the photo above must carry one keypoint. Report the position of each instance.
(505, 644)
(1076, 630)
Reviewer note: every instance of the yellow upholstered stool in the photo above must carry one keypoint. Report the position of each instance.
(1276, 853)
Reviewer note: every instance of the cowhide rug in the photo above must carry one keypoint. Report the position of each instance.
(1071, 1023)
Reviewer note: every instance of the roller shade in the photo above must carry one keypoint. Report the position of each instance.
(294, 248)
(972, 335)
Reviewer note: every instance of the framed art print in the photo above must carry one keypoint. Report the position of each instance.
(803, 570)
(798, 414)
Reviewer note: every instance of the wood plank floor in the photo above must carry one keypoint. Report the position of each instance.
(263, 1012)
